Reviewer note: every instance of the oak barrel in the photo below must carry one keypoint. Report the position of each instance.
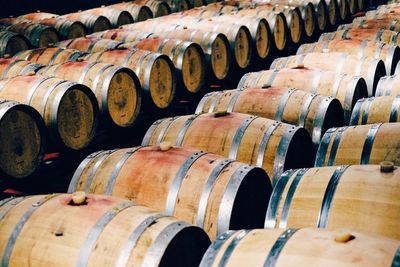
(188, 59)
(138, 12)
(117, 17)
(316, 113)
(362, 144)
(89, 44)
(337, 197)
(93, 23)
(347, 89)
(69, 109)
(376, 109)
(159, 8)
(117, 89)
(101, 231)
(306, 246)
(10, 67)
(341, 63)
(250, 139)
(191, 185)
(11, 43)
(22, 140)
(156, 73)
(50, 55)
(388, 86)
(389, 54)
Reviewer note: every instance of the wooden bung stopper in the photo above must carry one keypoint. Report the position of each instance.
(387, 166)
(79, 198)
(165, 146)
(221, 113)
(343, 236)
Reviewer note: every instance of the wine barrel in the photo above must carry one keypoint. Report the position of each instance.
(12, 43)
(93, 23)
(250, 139)
(176, 6)
(22, 140)
(101, 231)
(341, 63)
(197, 3)
(383, 36)
(156, 73)
(376, 109)
(215, 46)
(159, 8)
(389, 54)
(347, 89)
(316, 113)
(310, 247)
(363, 23)
(89, 44)
(388, 86)
(382, 13)
(239, 36)
(121, 35)
(50, 55)
(69, 109)
(67, 29)
(38, 35)
(188, 59)
(337, 197)
(364, 144)
(117, 17)
(10, 68)
(138, 12)
(190, 185)
(322, 14)
(334, 13)
(117, 89)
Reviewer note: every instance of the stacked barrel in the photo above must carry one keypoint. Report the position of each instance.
(299, 160)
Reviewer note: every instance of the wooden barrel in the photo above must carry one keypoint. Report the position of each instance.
(122, 35)
(191, 185)
(117, 17)
(117, 89)
(322, 14)
(334, 13)
(215, 46)
(364, 144)
(188, 59)
(93, 23)
(159, 8)
(50, 55)
(67, 29)
(89, 44)
(250, 139)
(375, 110)
(12, 43)
(138, 12)
(341, 63)
(384, 23)
(69, 109)
(347, 89)
(337, 197)
(22, 140)
(382, 14)
(38, 35)
(316, 113)
(389, 54)
(388, 86)
(100, 231)
(10, 67)
(383, 36)
(175, 5)
(197, 3)
(344, 9)
(156, 73)
(310, 247)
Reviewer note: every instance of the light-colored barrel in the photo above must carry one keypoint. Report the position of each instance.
(250, 139)
(89, 44)
(389, 54)
(117, 89)
(50, 55)
(11, 43)
(308, 246)
(69, 109)
(316, 113)
(117, 17)
(22, 140)
(138, 12)
(338, 197)
(100, 231)
(159, 8)
(347, 89)
(341, 63)
(93, 23)
(375, 110)
(155, 71)
(10, 67)
(363, 144)
(191, 185)
(388, 86)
